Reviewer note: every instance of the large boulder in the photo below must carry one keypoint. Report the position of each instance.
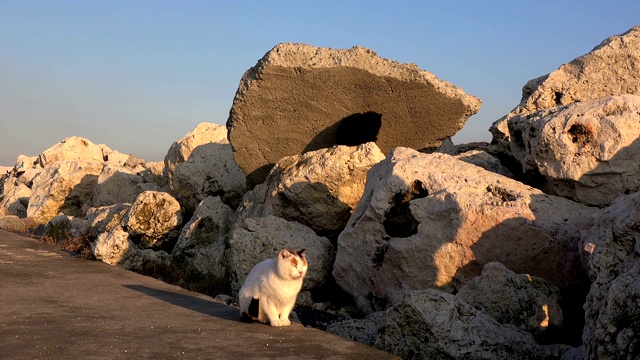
(74, 148)
(611, 68)
(528, 303)
(200, 249)
(201, 164)
(432, 221)
(155, 217)
(14, 198)
(586, 151)
(612, 309)
(431, 324)
(116, 184)
(257, 239)
(106, 219)
(63, 187)
(318, 189)
(116, 248)
(300, 97)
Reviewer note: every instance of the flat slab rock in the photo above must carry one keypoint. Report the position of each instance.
(299, 98)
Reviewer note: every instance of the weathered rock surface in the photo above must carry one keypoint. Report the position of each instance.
(431, 324)
(257, 239)
(154, 173)
(528, 303)
(295, 98)
(14, 198)
(156, 217)
(318, 189)
(63, 187)
(116, 184)
(106, 218)
(431, 221)
(201, 246)
(201, 164)
(612, 310)
(611, 68)
(587, 151)
(116, 248)
(484, 160)
(74, 148)
(18, 225)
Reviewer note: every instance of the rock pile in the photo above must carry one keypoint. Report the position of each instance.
(432, 254)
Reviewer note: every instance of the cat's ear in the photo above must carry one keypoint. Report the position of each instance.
(302, 253)
(284, 253)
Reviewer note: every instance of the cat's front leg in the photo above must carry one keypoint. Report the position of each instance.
(269, 315)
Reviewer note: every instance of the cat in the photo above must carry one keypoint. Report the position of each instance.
(270, 290)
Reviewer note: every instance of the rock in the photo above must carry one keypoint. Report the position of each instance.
(318, 189)
(528, 303)
(299, 98)
(484, 160)
(257, 239)
(116, 248)
(63, 187)
(154, 173)
(431, 221)
(612, 309)
(201, 164)
(15, 224)
(200, 249)
(364, 331)
(156, 217)
(63, 227)
(116, 184)
(431, 324)
(587, 151)
(611, 68)
(106, 218)
(14, 198)
(74, 148)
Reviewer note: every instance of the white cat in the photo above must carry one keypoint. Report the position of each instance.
(270, 290)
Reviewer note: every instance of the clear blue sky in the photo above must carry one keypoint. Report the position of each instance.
(138, 75)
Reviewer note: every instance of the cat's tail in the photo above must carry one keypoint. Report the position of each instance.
(251, 315)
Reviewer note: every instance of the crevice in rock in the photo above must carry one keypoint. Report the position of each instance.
(359, 128)
(398, 221)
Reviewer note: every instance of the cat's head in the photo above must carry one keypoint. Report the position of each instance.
(292, 264)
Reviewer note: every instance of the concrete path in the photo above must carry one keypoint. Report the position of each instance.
(54, 305)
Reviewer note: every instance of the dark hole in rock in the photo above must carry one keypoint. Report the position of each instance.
(557, 97)
(398, 221)
(358, 128)
(580, 134)
(378, 256)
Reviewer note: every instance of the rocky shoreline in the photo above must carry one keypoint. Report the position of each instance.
(527, 247)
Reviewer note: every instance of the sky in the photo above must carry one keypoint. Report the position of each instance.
(138, 75)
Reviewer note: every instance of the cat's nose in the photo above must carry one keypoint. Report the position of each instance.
(300, 272)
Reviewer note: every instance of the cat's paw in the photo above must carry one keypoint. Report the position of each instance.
(278, 322)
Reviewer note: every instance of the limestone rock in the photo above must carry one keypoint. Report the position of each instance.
(257, 239)
(106, 218)
(611, 68)
(201, 164)
(116, 184)
(154, 173)
(200, 249)
(296, 98)
(116, 248)
(156, 216)
(74, 148)
(484, 160)
(15, 224)
(14, 198)
(63, 187)
(612, 309)
(431, 324)
(528, 303)
(587, 151)
(431, 221)
(318, 189)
